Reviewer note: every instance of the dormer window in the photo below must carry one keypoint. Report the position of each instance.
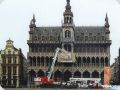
(67, 34)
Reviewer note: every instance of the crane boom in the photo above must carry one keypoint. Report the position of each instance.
(53, 64)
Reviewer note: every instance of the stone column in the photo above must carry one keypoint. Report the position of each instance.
(90, 75)
(72, 47)
(62, 45)
(72, 74)
(12, 80)
(81, 74)
(36, 62)
(17, 85)
(99, 75)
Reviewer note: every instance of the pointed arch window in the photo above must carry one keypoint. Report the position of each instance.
(67, 34)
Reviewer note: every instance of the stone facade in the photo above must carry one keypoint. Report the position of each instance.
(115, 77)
(90, 44)
(12, 66)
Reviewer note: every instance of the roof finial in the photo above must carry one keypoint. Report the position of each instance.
(34, 20)
(106, 21)
(32, 23)
(106, 18)
(68, 1)
(68, 7)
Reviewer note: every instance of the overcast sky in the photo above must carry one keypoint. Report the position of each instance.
(15, 16)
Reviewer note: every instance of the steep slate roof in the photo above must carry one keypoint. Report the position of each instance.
(54, 33)
(89, 29)
(78, 30)
(48, 30)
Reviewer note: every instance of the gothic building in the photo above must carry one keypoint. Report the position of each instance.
(90, 45)
(12, 69)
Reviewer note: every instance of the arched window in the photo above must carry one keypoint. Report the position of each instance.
(32, 74)
(40, 73)
(38, 61)
(70, 20)
(58, 75)
(67, 75)
(67, 34)
(95, 74)
(47, 61)
(34, 61)
(67, 19)
(68, 47)
(97, 60)
(42, 61)
(102, 61)
(77, 74)
(84, 60)
(86, 74)
(106, 61)
(88, 59)
(30, 61)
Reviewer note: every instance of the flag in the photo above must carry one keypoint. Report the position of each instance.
(107, 75)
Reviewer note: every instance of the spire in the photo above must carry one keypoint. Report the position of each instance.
(68, 9)
(106, 22)
(32, 23)
(34, 20)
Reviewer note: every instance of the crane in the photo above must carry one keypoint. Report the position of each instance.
(53, 64)
(46, 79)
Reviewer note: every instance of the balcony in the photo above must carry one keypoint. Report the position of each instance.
(94, 42)
(39, 54)
(44, 42)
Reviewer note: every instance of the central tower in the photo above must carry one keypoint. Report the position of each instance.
(67, 34)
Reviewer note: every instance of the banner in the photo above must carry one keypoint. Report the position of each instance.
(64, 56)
(107, 75)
